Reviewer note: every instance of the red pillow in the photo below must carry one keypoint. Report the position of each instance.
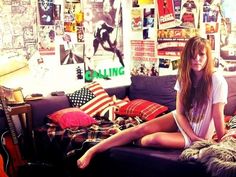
(144, 109)
(71, 117)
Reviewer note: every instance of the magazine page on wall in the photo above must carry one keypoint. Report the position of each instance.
(104, 58)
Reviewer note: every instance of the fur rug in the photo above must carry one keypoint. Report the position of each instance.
(219, 158)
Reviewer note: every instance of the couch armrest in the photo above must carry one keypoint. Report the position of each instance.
(45, 106)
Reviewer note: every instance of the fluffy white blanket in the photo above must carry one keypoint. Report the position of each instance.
(219, 158)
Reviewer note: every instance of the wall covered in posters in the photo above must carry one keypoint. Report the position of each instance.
(62, 44)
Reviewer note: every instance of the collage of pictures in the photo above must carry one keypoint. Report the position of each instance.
(89, 32)
(174, 22)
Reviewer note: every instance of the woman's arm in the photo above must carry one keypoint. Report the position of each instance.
(183, 121)
(218, 118)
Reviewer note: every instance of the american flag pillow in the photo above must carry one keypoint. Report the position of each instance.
(91, 99)
(144, 109)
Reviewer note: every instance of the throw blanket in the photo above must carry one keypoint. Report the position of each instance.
(219, 158)
(73, 139)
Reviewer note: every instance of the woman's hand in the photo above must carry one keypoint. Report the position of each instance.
(196, 138)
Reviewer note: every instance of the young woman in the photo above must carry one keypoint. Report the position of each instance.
(201, 96)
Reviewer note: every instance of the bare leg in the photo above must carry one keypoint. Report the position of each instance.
(146, 130)
(163, 139)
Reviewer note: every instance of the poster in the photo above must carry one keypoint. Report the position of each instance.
(170, 42)
(74, 18)
(18, 30)
(104, 43)
(143, 58)
(46, 40)
(166, 14)
(189, 13)
(177, 8)
(72, 54)
(136, 19)
(45, 8)
(168, 65)
(148, 23)
(210, 12)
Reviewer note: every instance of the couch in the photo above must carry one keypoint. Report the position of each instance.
(128, 160)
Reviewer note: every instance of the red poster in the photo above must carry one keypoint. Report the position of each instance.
(166, 14)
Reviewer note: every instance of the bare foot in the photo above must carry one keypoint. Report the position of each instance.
(84, 161)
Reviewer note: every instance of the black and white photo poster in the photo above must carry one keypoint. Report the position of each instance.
(103, 39)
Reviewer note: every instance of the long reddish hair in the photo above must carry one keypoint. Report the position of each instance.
(194, 46)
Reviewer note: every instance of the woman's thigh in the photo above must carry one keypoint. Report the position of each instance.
(165, 123)
(163, 140)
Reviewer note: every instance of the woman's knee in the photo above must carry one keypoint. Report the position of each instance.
(153, 140)
(142, 130)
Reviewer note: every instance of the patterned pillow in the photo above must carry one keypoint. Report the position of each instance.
(71, 117)
(91, 99)
(144, 109)
(110, 111)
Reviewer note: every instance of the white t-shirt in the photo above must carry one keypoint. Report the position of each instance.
(202, 121)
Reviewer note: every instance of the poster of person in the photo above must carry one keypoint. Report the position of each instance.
(189, 13)
(143, 59)
(148, 23)
(170, 42)
(103, 39)
(45, 8)
(210, 11)
(59, 27)
(211, 39)
(56, 11)
(46, 40)
(135, 3)
(177, 8)
(166, 14)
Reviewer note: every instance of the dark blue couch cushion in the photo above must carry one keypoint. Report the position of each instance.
(156, 89)
(45, 106)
